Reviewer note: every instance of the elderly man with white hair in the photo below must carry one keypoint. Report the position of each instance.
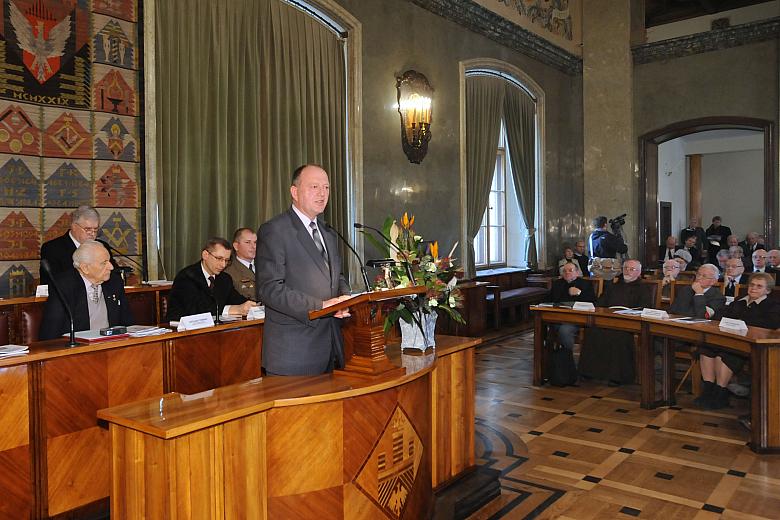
(94, 293)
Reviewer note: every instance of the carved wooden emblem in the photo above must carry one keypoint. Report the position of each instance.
(388, 475)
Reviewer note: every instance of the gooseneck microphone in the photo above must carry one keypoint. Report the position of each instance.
(390, 243)
(360, 260)
(53, 283)
(121, 254)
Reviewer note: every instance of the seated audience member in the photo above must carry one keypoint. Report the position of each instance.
(570, 288)
(732, 241)
(682, 257)
(606, 268)
(701, 299)
(690, 246)
(242, 265)
(669, 273)
(773, 261)
(759, 261)
(722, 257)
(718, 365)
(697, 232)
(735, 252)
(734, 275)
(205, 287)
(568, 257)
(581, 256)
(751, 243)
(666, 251)
(609, 354)
(95, 294)
(84, 225)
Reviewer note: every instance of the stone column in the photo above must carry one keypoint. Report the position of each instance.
(609, 155)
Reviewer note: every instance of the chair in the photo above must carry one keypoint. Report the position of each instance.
(598, 284)
(687, 275)
(5, 331)
(31, 316)
(655, 286)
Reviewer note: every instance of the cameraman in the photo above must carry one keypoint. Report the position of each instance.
(604, 244)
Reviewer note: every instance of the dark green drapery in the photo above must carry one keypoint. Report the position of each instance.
(246, 90)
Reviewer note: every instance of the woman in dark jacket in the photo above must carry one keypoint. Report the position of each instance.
(756, 309)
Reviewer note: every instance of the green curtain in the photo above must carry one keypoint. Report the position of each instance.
(520, 124)
(484, 107)
(246, 91)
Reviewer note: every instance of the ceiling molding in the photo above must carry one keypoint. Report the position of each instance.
(707, 41)
(480, 20)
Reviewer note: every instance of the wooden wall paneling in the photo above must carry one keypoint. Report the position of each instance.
(221, 358)
(15, 449)
(78, 469)
(357, 506)
(246, 468)
(135, 373)
(304, 458)
(441, 410)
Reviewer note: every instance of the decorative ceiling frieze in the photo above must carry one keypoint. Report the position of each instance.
(480, 20)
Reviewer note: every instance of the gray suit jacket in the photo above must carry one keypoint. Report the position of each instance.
(688, 304)
(293, 279)
(243, 279)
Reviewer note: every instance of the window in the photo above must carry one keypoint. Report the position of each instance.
(490, 242)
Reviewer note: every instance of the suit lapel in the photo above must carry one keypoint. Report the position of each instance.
(308, 243)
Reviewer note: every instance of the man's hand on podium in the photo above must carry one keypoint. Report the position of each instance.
(343, 313)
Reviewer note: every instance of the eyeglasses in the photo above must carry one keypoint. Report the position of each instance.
(672, 267)
(218, 258)
(757, 285)
(632, 269)
(89, 230)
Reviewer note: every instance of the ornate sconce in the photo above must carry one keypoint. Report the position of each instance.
(415, 96)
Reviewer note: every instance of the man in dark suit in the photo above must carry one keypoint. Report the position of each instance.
(205, 287)
(717, 236)
(242, 265)
(734, 275)
(581, 255)
(95, 295)
(666, 251)
(84, 225)
(694, 230)
(701, 299)
(749, 245)
(570, 288)
(299, 270)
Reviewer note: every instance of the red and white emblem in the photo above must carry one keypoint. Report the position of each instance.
(41, 38)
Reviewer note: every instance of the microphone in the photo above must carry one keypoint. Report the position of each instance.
(389, 242)
(124, 268)
(47, 268)
(360, 260)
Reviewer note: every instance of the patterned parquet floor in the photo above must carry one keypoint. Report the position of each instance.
(591, 452)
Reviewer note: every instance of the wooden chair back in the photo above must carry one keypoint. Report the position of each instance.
(686, 276)
(598, 284)
(656, 290)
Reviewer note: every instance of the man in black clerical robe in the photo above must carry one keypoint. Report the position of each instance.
(570, 288)
(609, 354)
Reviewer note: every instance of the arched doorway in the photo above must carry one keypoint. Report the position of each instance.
(648, 178)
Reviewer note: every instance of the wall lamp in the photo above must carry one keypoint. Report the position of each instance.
(415, 96)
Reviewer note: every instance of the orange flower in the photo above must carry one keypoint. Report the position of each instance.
(435, 250)
(407, 222)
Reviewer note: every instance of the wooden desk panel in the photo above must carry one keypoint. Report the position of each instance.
(15, 455)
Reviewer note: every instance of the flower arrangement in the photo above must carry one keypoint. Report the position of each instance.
(437, 274)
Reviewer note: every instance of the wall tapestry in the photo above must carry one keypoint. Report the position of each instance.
(552, 15)
(70, 122)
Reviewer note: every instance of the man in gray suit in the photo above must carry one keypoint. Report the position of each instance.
(299, 270)
(701, 299)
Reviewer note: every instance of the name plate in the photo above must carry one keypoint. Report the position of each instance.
(732, 324)
(41, 291)
(656, 314)
(196, 321)
(256, 313)
(584, 306)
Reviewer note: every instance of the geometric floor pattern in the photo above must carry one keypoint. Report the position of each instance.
(591, 452)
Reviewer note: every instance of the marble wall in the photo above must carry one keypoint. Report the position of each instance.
(398, 36)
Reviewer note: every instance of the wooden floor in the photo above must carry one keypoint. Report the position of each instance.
(591, 452)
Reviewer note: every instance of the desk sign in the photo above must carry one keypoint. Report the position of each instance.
(732, 324)
(42, 291)
(656, 314)
(196, 321)
(583, 306)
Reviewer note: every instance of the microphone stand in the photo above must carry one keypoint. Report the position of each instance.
(398, 249)
(360, 260)
(134, 262)
(47, 268)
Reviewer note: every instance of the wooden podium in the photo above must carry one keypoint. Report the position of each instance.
(364, 336)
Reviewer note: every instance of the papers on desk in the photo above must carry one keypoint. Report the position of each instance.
(256, 312)
(42, 291)
(94, 336)
(158, 283)
(628, 312)
(13, 350)
(690, 320)
(656, 314)
(142, 331)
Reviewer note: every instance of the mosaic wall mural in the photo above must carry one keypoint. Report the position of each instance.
(552, 15)
(69, 128)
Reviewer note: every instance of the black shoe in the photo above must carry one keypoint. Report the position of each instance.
(746, 422)
(720, 398)
(705, 398)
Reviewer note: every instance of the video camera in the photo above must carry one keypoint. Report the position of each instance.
(617, 222)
